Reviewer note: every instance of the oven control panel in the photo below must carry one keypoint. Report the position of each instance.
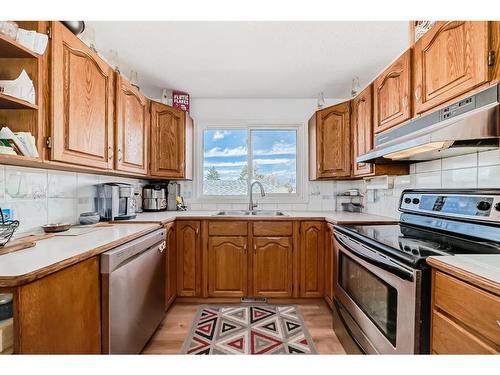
(471, 206)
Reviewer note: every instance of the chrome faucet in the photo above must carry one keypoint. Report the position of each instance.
(252, 205)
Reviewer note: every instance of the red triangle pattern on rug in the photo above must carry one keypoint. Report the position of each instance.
(237, 344)
(261, 344)
(203, 344)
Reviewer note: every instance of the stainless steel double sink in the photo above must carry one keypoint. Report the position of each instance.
(250, 213)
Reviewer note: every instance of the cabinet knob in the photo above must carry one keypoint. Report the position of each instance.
(245, 248)
(120, 155)
(255, 248)
(418, 92)
(405, 101)
(110, 152)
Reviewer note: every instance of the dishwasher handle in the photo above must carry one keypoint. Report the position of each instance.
(112, 259)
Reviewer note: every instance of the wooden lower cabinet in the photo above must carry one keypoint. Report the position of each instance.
(227, 266)
(272, 266)
(465, 318)
(329, 264)
(188, 258)
(170, 266)
(311, 259)
(61, 313)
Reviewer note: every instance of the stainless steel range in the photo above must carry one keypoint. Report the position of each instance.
(382, 283)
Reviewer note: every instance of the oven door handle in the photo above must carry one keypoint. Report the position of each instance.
(370, 258)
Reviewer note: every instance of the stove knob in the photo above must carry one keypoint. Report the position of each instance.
(484, 206)
(497, 206)
(408, 200)
(416, 201)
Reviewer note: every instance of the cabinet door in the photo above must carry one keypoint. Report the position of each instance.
(311, 259)
(450, 59)
(82, 103)
(132, 128)
(330, 145)
(272, 266)
(329, 264)
(171, 142)
(227, 266)
(391, 94)
(188, 258)
(362, 130)
(171, 266)
(61, 313)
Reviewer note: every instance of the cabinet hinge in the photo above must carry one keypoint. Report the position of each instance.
(49, 32)
(491, 58)
(48, 142)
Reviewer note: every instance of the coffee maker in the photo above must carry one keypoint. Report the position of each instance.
(154, 197)
(115, 201)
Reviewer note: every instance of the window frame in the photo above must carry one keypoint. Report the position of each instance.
(301, 161)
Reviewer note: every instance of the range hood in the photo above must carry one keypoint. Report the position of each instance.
(464, 127)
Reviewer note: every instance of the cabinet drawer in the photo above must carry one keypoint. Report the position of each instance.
(273, 228)
(476, 308)
(227, 228)
(449, 338)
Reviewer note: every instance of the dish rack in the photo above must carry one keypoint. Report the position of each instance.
(7, 229)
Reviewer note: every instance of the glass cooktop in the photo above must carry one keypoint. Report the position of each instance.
(412, 245)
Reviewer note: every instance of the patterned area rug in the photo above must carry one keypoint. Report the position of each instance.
(248, 329)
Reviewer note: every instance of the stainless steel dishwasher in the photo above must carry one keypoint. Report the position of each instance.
(133, 293)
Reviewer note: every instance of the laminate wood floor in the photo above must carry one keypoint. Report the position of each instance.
(174, 329)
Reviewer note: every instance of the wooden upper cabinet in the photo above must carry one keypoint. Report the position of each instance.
(311, 259)
(188, 252)
(132, 128)
(450, 59)
(171, 142)
(81, 103)
(330, 143)
(272, 266)
(362, 130)
(392, 94)
(227, 266)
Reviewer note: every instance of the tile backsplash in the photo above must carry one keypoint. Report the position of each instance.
(40, 196)
(478, 170)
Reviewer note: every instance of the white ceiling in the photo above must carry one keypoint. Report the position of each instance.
(252, 59)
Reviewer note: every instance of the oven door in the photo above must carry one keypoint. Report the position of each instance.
(379, 299)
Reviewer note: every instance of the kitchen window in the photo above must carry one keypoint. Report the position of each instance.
(234, 156)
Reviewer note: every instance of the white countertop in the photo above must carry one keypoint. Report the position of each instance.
(57, 249)
(486, 266)
(334, 217)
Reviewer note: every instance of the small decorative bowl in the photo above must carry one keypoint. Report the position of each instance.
(87, 218)
(54, 228)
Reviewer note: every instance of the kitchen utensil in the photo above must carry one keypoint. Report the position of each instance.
(352, 207)
(87, 218)
(76, 27)
(154, 197)
(55, 228)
